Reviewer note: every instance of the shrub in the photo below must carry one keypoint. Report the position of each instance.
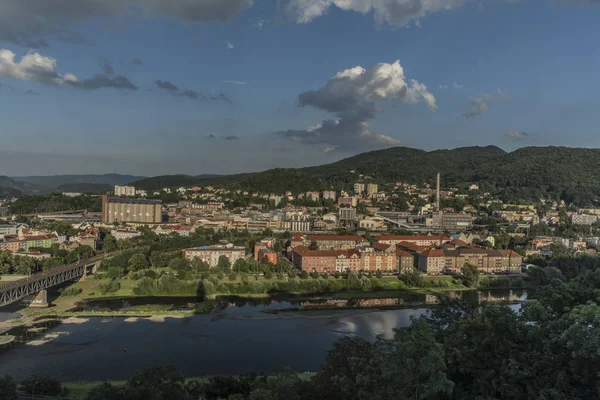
(109, 287)
(145, 287)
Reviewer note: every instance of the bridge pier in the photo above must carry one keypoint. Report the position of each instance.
(40, 300)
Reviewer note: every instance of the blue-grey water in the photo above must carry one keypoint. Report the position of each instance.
(240, 339)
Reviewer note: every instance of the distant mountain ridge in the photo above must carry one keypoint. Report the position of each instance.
(55, 181)
(525, 174)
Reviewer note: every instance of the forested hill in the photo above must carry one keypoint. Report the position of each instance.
(525, 174)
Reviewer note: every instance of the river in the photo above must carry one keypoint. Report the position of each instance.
(239, 338)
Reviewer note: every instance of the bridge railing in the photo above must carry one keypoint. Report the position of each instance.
(54, 271)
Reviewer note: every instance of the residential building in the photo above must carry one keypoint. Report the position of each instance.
(178, 229)
(437, 261)
(211, 255)
(347, 201)
(115, 209)
(359, 188)
(379, 258)
(122, 234)
(347, 214)
(314, 196)
(296, 226)
(584, 219)
(429, 240)
(7, 230)
(261, 245)
(269, 254)
(335, 242)
(372, 188)
(329, 195)
(124, 191)
(326, 260)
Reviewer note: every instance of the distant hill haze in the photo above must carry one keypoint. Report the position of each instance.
(526, 174)
(50, 183)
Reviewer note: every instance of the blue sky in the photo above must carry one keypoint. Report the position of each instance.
(251, 85)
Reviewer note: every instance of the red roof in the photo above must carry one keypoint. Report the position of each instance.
(433, 253)
(383, 246)
(410, 237)
(340, 238)
(305, 252)
(510, 253)
(403, 253)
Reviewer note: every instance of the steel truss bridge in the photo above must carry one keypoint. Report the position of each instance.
(13, 291)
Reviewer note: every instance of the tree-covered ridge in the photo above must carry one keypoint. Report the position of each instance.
(526, 174)
(33, 204)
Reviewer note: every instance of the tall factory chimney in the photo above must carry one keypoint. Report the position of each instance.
(437, 196)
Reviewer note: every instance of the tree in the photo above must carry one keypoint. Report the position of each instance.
(106, 391)
(304, 275)
(8, 388)
(343, 364)
(413, 279)
(223, 264)
(313, 245)
(409, 366)
(79, 254)
(42, 386)
(470, 275)
(109, 244)
(138, 262)
(157, 383)
(379, 274)
(24, 265)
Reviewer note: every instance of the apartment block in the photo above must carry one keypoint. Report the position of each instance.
(429, 240)
(211, 254)
(359, 188)
(437, 261)
(372, 188)
(124, 191)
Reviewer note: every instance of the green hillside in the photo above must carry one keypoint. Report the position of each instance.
(525, 174)
(94, 188)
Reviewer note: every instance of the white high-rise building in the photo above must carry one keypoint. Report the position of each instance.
(372, 188)
(359, 188)
(124, 190)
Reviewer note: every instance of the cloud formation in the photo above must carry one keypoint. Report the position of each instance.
(31, 23)
(229, 45)
(390, 13)
(351, 95)
(32, 92)
(235, 82)
(190, 94)
(517, 135)
(480, 104)
(38, 68)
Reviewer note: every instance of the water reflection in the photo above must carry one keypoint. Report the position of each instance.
(243, 339)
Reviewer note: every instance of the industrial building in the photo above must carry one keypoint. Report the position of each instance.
(116, 209)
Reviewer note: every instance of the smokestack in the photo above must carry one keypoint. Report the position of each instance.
(437, 198)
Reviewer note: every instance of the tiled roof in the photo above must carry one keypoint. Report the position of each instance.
(410, 237)
(354, 238)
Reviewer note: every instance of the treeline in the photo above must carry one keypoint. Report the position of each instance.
(526, 174)
(33, 204)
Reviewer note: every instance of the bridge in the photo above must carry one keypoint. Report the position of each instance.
(37, 283)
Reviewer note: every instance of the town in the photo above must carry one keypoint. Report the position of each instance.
(388, 228)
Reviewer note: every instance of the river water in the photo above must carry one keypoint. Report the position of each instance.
(240, 338)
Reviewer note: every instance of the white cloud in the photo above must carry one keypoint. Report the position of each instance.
(456, 86)
(352, 96)
(32, 67)
(229, 45)
(36, 67)
(235, 82)
(517, 135)
(443, 86)
(355, 85)
(480, 104)
(392, 13)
